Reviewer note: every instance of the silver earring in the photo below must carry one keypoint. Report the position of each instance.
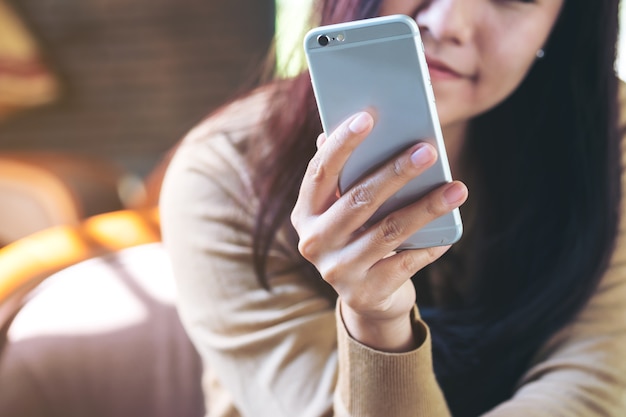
(541, 53)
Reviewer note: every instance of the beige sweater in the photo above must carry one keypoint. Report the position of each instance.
(286, 353)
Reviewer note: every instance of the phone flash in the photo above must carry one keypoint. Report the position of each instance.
(341, 37)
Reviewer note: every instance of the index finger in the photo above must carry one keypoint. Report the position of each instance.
(319, 184)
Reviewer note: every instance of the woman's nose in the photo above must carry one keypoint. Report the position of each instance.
(448, 20)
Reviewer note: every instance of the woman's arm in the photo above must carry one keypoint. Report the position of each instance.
(271, 353)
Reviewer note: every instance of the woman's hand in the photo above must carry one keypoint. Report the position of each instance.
(373, 282)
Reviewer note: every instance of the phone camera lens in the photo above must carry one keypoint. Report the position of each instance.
(323, 40)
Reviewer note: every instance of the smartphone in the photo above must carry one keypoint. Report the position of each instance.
(378, 65)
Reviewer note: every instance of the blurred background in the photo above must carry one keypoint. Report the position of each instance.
(94, 97)
(95, 93)
(130, 76)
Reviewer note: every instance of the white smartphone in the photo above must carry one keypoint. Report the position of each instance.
(378, 64)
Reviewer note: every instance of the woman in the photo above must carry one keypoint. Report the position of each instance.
(294, 313)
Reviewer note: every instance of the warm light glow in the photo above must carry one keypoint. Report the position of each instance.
(121, 229)
(47, 250)
(25, 262)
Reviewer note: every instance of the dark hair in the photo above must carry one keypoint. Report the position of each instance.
(544, 176)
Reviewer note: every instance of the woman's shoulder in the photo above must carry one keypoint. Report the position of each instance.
(238, 119)
(211, 163)
(218, 145)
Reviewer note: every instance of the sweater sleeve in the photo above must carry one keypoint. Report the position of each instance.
(373, 383)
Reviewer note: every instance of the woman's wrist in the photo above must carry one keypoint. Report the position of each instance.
(386, 335)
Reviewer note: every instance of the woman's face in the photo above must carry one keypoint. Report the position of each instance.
(478, 50)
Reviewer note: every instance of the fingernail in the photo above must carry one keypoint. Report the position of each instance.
(422, 155)
(360, 123)
(454, 194)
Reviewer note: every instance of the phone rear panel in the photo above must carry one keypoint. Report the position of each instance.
(378, 65)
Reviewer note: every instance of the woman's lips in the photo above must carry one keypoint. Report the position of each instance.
(440, 71)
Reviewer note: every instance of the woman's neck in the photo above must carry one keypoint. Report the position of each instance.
(454, 137)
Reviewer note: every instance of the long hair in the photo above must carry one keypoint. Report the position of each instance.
(544, 173)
